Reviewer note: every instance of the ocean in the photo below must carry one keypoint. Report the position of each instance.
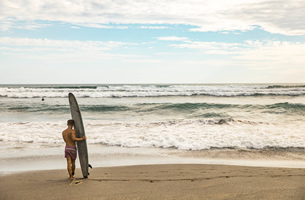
(173, 121)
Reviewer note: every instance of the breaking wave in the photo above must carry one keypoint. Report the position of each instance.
(121, 91)
(196, 110)
(179, 134)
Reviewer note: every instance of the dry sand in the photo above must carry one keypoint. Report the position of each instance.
(187, 181)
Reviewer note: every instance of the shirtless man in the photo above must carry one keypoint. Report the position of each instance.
(70, 149)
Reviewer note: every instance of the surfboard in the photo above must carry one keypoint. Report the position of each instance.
(79, 132)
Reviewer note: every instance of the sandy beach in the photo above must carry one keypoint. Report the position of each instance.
(188, 181)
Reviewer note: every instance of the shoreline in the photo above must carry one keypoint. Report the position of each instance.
(168, 181)
(32, 157)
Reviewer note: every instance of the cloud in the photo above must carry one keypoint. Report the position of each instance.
(277, 61)
(73, 44)
(255, 54)
(153, 27)
(274, 55)
(93, 25)
(59, 51)
(250, 53)
(173, 38)
(210, 45)
(275, 16)
(6, 25)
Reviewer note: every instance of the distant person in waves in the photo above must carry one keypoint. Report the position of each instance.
(70, 149)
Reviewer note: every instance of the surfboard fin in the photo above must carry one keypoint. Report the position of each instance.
(90, 166)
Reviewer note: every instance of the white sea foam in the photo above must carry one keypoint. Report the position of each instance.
(183, 134)
(149, 91)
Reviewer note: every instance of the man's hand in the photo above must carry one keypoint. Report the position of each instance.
(84, 138)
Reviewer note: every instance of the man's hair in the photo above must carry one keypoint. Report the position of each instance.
(71, 122)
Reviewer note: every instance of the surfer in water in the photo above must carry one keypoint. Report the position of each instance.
(70, 149)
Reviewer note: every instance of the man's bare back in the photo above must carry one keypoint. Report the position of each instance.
(68, 136)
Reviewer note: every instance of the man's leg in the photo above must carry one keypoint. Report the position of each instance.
(73, 167)
(69, 167)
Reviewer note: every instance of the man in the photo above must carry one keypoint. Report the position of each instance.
(70, 149)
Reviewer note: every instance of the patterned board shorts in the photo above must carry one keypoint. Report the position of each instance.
(70, 152)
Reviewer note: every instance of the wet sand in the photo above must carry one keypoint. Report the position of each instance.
(187, 181)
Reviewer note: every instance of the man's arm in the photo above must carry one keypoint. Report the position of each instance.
(74, 138)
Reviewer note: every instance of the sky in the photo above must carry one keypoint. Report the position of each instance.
(152, 41)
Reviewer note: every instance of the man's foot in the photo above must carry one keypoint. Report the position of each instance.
(71, 178)
(72, 174)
